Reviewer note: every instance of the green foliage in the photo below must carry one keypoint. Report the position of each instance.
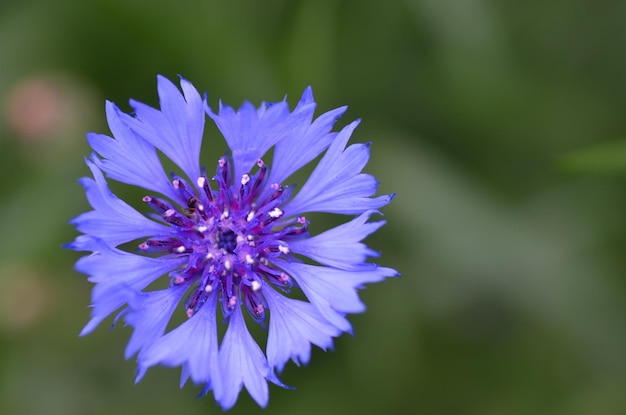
(601, 158)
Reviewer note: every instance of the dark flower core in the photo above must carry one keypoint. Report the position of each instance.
(230, 237)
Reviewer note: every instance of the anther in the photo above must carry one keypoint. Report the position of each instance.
(171, 216)
(260, 176)
(224, 176)
(203, 183)
(250, 239)
(158, 244)
(156, 204)
(276, 213)
(256, 286)
(245, 179)
(278, 191)
(232, 301)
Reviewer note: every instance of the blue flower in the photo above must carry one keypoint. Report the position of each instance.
(233, 248)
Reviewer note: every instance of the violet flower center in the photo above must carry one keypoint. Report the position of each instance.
(230, 236)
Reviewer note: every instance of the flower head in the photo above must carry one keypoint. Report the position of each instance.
(232, 247)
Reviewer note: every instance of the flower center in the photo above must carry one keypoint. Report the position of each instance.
(227, 241)
(230, 237)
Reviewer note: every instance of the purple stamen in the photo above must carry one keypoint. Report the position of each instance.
(227, 235)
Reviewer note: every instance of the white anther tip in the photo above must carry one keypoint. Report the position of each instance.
(170, 212)
(276, 213)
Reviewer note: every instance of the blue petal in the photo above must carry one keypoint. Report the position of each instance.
(243, 363)
(341, 246)
(194, 344)
(177, 128)
(185, 372)
(294, 325)
(112, 219)
(251, 132)
(84, 243)
(149, 314)
(333, 291)
(336, 184)
(108, 301)
(128, 158)
(118, 275)
(113, 266)
(306, 141)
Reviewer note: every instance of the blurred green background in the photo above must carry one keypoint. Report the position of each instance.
(497, 122)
